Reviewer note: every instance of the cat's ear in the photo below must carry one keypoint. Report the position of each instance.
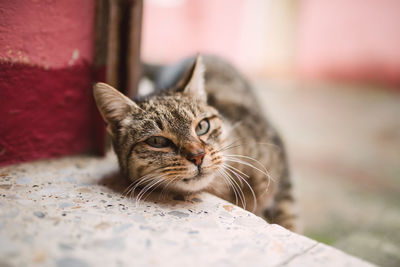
(193, 82)
(112, 104)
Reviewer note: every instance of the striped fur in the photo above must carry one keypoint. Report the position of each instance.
(244, 160)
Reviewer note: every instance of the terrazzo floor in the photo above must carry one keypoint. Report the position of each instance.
(72, 212)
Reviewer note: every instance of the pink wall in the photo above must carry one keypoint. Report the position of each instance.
(173, 31)
(46, 104)
(356, 40)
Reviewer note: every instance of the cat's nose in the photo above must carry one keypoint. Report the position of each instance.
(197, 158)
(195, 153)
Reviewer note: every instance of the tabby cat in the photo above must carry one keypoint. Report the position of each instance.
(205, 132)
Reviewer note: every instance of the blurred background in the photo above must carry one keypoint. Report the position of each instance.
(328, 76)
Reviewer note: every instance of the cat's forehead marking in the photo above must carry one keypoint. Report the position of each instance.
(171, 107)
(173, 115)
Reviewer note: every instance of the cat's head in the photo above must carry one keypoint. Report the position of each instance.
(171, 139)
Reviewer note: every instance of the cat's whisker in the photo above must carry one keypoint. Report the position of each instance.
(267, 174)
(139, 180)
(226, 166)
(237, 157)
(244, 203)
(235, 189)
(232, 170)
(127, 189)
(222, 148)
(223, 143)
(155, 186)
(240, 191)
(229, 183)
(235, 180)
(155, 181)
(147, 188)
(246, 163)
(232, 146)
(142, 180)
(133, 189)
(130, 187)
(236, 169)
(223, 178)
(164, 191)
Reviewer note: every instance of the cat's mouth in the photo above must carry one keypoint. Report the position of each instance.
(198, 176)
(197, 182)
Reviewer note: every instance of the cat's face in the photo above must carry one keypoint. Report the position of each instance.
(171, 140)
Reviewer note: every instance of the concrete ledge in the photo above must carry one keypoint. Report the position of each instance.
(70, 212)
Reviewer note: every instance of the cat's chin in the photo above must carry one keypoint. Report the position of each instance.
(195, 183)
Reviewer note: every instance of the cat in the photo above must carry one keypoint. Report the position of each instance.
(204, 132)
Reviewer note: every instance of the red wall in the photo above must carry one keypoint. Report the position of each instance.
(46, 56)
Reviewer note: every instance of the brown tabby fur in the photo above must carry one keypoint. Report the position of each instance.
(244, 159)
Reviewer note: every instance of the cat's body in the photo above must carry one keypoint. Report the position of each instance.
(239, 157)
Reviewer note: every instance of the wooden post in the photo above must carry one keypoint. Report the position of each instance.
(101, 38)
(117, 50)
(123, 50)
(113, 47)
(133, 53)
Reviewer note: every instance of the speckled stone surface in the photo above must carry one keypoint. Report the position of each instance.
(71, 212)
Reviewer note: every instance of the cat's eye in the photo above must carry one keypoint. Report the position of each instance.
(158, 141)
(203, 127)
